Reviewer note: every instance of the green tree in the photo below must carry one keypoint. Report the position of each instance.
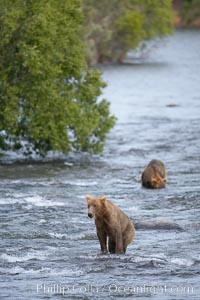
(114, 27)
(190, 13)
(48, 96)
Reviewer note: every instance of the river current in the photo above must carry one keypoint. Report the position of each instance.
(49, 248)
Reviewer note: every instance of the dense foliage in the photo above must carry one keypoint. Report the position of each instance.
(190, 13)
(114, 27)
(48, 96)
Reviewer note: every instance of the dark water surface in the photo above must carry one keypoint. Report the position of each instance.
(49, 248)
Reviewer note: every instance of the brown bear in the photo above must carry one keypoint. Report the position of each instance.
(154, 175)
(110, 223)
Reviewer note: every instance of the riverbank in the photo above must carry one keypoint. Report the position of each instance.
(186, 15)
(182, 23)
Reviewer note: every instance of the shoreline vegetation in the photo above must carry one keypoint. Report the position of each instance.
(111, 29)
(186, 14)
(181, 23)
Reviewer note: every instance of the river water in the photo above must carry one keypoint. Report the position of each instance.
(49, 248)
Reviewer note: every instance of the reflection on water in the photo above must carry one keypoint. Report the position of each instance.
(49, 247)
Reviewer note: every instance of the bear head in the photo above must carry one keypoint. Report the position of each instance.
(96, 206)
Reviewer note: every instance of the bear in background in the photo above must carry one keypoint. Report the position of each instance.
(111, 223)
(154, 175)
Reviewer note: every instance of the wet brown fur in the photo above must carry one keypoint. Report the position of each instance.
(112, 224)
(154, 175)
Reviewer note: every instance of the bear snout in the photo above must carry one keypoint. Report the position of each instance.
(90, 215)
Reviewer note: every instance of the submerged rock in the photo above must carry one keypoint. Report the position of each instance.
(157, 224)
(172, 105)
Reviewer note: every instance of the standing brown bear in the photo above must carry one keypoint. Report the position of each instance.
(154, 175)
(111, 223)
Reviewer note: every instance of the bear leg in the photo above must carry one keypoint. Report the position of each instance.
(103, 241)
(119, 249)
(111, 246)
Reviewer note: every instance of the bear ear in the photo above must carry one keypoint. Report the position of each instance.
(103, 198)
(88, 197)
